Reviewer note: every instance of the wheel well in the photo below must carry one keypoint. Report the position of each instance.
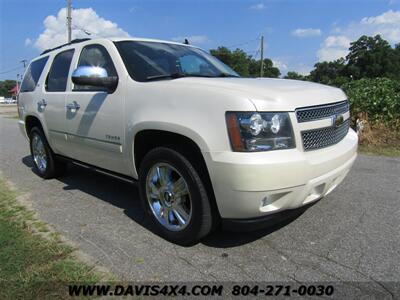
(149, 139)
(31, 122)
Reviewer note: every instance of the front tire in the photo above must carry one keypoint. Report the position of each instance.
(174, 196)
(44, 160)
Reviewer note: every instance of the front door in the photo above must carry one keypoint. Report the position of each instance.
(52, 102)
(94, 117)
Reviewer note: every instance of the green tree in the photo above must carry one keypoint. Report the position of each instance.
(397, 61)
(372, 57)
(327, 72)
(5, 86)
(295, 76)
(269, 69)
(369, 57)
(245, 64)
(238, 60)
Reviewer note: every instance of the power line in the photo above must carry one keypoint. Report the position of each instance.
(256, 53)
(11, 70)
(242, 44)
(87, 32)
(252, 53)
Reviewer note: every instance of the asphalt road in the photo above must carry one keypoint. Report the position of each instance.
(351, 235)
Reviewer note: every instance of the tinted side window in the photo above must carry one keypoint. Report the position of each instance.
(58, 75)
(95, 55)
(32, 75)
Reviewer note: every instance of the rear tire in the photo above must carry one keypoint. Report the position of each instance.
(174, 196)
(44, 159)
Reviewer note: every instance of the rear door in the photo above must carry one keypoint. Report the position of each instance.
(95, 124)
(30, 91)
(52, 100)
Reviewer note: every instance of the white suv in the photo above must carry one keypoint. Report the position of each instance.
(204, 144)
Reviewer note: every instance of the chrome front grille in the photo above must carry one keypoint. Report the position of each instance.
(318, 138)
(324, 137)
(313, 113)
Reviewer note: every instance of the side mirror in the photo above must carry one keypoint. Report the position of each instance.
(94, 76)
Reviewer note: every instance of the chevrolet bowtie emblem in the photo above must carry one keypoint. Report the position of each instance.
(337, 120)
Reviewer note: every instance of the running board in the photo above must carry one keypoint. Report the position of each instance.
(98, 169)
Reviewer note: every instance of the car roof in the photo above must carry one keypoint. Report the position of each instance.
(116, 39)
(147, 40)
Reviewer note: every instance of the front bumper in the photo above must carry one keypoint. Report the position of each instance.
(22, 129)
(267, 221)
(254, 185)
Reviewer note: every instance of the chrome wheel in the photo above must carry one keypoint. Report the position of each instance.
(168, 196)
(39, 153)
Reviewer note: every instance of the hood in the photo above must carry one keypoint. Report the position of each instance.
(271, 94)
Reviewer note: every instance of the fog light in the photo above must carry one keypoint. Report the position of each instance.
(266, 201)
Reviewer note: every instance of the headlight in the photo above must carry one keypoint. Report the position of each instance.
(250, 131)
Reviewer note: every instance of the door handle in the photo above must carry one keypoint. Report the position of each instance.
(73, 107)
(41, 105)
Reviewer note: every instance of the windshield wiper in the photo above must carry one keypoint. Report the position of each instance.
(176, 75)
(162, 76)
(227, 75)
(181, 75)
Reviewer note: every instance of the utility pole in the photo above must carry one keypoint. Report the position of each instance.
(262, 56)
(17, 84)
(24, 61)
(69, 20)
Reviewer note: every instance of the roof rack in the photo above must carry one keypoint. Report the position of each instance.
(75, 41)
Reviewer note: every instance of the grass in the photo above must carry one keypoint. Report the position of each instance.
(9, 115)
(34, 264)
(379, 138)
(13, 117)
(386, 150)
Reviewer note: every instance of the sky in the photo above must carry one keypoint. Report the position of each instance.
(297, 33)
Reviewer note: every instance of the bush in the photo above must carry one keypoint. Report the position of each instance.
(379, 98)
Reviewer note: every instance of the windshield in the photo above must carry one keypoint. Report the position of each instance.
(147, 61)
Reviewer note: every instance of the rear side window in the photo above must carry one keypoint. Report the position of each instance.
(32, 75)
(58, 75)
